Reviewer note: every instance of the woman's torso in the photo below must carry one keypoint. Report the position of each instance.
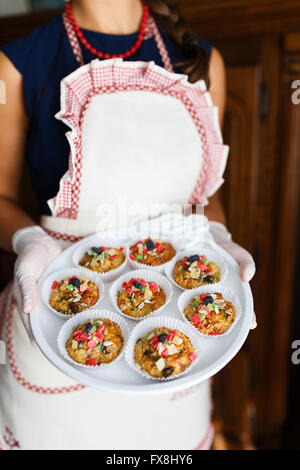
(44, 58)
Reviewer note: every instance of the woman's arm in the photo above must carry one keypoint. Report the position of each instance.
(214, 211)
(13, 130)
(34, 248)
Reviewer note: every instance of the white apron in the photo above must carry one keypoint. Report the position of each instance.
(142, 141)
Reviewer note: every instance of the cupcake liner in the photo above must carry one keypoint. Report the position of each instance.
(186, 297)
(159, 269)
(113, 243)
(82, 317)
(63, 274)
(210, 254)
(149, 276)
(149, 324)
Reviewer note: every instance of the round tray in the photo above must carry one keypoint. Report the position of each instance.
(215, 352)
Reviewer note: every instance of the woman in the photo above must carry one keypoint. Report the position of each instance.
(40, 408)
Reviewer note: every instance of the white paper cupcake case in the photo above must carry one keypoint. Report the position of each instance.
(113, 243)
(159, 269)
(63, 274)
(149, 324)
(185, 298)
(82, 317)
(149, 276)
(210, 254)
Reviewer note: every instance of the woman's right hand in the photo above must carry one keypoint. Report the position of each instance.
(35, 250)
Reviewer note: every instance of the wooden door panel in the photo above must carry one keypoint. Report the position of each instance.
(239, 194)
(241, 133)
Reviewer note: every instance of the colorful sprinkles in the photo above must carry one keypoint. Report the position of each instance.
(139, 297)
(210, 313)
(167, 345)
(73, 295)
(151, 252)
(96, 342)
(103, 259)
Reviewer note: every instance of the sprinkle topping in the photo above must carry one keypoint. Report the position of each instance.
(92, 337)
(166, 345)
(144, 288)
(150, 249)
(74, 294)
(209, 312)
(198, 267)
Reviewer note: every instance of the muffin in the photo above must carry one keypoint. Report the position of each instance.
(102, 259)
(164, 353)
(195, 271)
(73, 295)
(98, 341)
(152, 252)
(211, 314)
(138, 298)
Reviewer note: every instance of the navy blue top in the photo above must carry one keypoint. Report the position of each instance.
(44, 58)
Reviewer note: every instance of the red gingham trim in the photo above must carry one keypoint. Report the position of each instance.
(3, 305)
(160, 45)
(207, 441)
(113, 76)
(62, 236)
(73, 39)
(150, 30)
(22, 381)
(9, 439)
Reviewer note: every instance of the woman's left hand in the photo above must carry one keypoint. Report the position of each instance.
(247, 266)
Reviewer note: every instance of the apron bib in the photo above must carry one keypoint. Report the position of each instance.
(143, 141)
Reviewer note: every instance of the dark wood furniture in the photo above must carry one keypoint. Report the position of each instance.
(260, 41)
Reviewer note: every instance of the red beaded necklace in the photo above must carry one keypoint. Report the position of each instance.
(101, 54)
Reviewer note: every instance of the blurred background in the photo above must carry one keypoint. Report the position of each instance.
(257, 395)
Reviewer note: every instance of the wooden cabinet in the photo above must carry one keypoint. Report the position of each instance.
(260, 41)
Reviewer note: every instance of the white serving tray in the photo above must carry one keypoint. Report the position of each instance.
(216, 352)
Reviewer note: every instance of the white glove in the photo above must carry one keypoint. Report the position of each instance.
(35, 250)
(247, 266)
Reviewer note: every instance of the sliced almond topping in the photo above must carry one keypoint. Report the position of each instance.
(177, 340)
(195, 273)
(84, 286)
(172, 349)
(194, 265)
(160, 364)
(148, 294)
